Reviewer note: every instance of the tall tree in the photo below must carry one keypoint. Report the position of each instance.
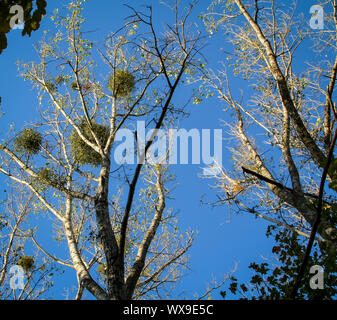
(286, 130)
(122, 245)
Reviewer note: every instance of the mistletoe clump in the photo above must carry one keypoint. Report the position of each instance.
(81, 152)
(26, 262)
(29, 141)
(50, 86)
(74, 86)
(48, 176)
(121, 83)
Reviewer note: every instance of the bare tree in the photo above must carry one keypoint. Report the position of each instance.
(123, 242)
(285, 131)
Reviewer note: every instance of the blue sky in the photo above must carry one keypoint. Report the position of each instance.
(219, 243)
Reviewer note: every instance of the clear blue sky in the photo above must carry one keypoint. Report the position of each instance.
(219, 243)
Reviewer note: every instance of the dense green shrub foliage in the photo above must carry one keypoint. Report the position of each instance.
(26, 262)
